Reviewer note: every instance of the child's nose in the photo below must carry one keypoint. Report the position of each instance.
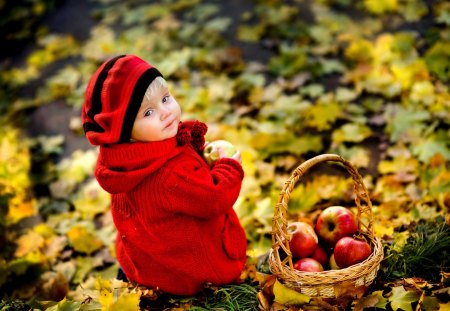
(165, 112)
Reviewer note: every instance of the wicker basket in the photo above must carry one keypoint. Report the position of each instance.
(329, 283)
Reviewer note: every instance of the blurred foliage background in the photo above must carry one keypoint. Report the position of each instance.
(282, 80)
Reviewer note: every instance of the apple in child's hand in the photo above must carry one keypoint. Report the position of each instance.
(303, 241)
(213, 150)
(335, 222)
(320, 255)
(308, 265)
(350, 251)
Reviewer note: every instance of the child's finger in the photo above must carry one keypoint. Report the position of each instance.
(237, 156)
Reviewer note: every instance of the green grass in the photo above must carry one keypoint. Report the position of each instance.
(425, 254)
(231, 298)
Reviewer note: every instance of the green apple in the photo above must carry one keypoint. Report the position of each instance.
(218, 149)
(333, 264)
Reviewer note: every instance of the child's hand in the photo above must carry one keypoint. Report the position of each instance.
(236, 156)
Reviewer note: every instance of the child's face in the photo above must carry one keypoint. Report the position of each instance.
(158, 117)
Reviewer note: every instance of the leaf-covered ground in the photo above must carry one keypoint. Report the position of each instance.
(284, 81)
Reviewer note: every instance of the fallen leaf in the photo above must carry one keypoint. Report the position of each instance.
(287, 296)
(83, 240)
(29, 242)
(402, 299)
(65, 305)
(347, 289)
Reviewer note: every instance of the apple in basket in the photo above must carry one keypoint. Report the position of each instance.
(350, 251)
(303, 240)
(334, 223)
(332, 263)
(320, 255)
(211, 152)
(308, 265)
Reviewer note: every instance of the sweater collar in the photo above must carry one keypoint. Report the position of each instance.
(120, 167)
(131, 154)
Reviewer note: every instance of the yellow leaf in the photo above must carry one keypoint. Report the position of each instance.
(400, 163)
(92, 200)
(29, 242)
(15, 164)
(106, 298)
(380, 6)
(115, 296)
(360, 51)
(287, 296)
(126, 302)
(408, 73)
(382, 230)
(423, 92)
(383, 48)
(444, 307)
(20, 207)
(44, 230)
(80, 165)
(83, 240)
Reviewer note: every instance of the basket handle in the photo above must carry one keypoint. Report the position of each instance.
(280, 236)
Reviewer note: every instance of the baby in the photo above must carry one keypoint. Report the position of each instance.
(176, 227)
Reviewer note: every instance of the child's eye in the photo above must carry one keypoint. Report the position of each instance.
(165, 99)
(148, 113)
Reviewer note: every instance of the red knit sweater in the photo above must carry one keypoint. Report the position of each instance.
(177, 229)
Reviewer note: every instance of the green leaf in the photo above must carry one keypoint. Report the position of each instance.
(426, 149)
(430, 304)
(250, 33)
(323, 114)
(402, 299)
(405, 123)
(291, 61)
(145, 13)
(358, 156)
(351, 132)
(312, 90)
(382, 302)
(437, 59)
(414, 10)
(444, 17)
(65, 305)
(346, 95)
(330, 66)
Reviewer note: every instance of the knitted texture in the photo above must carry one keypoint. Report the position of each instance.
(177, 229)
(113, 97)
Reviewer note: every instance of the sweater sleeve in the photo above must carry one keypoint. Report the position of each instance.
(201, 192)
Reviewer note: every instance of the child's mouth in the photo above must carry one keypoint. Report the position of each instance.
(169, 125)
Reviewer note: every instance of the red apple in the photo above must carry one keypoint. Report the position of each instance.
(335, 222)
(303, 239)
(211, 151)
(308, 265)
(332, 263)
(349, 251)
(320, 255)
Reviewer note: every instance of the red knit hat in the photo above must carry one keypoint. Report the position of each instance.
(113, 98)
